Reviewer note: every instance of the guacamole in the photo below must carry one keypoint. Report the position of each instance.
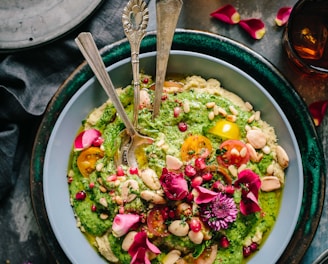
(208, 188)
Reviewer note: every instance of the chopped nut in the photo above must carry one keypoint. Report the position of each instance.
(231, 118)
(210, 104)
(211, 115)
(233, 110)
(103, 216)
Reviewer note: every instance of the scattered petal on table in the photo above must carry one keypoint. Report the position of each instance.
(318, 111)
(254, 27)
(227, 14)
(283, 15)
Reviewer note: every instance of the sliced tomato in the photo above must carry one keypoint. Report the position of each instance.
(232, 152)
(156, 222)
(196, 146)
(86, 161)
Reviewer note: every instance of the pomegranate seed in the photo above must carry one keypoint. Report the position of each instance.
(247, 251)
(224, 242)
(164, 97)
(197, 181)
(91, 185)
(171, 214)
(98, 141)
(229, 189)
(195, 225)
(176, 111)
(134, 171)
(93, 208)
(253, 246)
(81, 195)
(190, 197)
(207, 176)
(145, 80)
(200, 163)
(111, 178)
(218, 186)
(119, 171)
(121, 210)
(190, 171)
(183, 126)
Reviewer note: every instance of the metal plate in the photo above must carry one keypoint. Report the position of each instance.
(33, 22)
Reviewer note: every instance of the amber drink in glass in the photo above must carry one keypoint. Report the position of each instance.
(306, 36)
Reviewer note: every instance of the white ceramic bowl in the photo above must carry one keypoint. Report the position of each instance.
(91, 95)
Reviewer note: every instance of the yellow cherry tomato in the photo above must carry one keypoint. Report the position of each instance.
(226, 129)
(195, 146)
(86, 161)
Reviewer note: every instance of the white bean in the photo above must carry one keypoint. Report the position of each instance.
(179, 228)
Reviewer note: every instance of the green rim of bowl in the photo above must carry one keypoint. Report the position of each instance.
(246, 60)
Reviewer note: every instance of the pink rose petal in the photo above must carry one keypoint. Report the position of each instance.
(86, 138)
(140, 246)
(318, 111)
(254, 27)
(283, 15)
(203, 195)
(227, 14)
(123, 222)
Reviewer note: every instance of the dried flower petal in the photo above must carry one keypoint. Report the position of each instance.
(203, 195)
(318, 111)
(123, 222)
(174, 185)
(283, 15)
(227, 14)
(139, 248)
(254, 27)
(250, 183)
(86, 138)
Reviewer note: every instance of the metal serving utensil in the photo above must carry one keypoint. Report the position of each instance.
(135, 20)
(90, 51)
(167, 15)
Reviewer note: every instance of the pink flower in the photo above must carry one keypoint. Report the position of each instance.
(250, 183)
(87, 138)
(254, 27)
(203, 195)
(140, 247)
(174, 185)
(123, 222)
(318, 111)
(227, 14)
(283, 15)
(219, 212)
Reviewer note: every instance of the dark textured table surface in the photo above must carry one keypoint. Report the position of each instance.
(20, 239)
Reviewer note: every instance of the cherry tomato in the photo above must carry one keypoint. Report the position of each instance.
(86, 161)
(226, 129)
(195, 146)
(156, 222)
(232, 152)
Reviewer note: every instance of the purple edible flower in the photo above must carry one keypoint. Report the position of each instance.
(219, 212)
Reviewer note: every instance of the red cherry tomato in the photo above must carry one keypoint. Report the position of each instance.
(156, 222)
(232, 152)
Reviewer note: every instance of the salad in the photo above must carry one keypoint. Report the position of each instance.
(207, 190)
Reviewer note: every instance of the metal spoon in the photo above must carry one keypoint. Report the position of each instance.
(135, 20)
(90, 51)
(167, 15)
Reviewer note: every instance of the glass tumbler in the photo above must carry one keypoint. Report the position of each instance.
(305, 38)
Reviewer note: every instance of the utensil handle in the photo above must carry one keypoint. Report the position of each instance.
(90, 51)
(167, 14)
(135, 21)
